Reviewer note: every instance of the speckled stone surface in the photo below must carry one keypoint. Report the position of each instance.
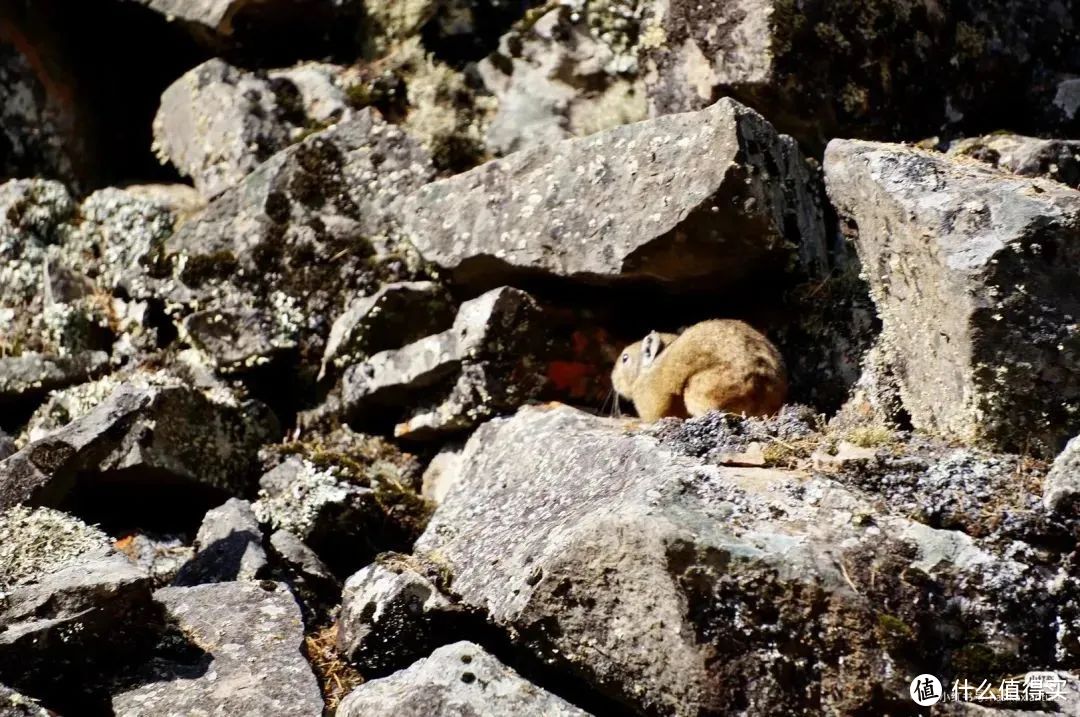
(708, 196)
(252, 634)
(459, 680)
(972, 273)
(674, 585)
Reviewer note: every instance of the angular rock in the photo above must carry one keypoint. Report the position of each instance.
(252, 636)
(228, 547)
(1061, 489)
(269, 263)
(486, 363)
(316, 504)
(69, 603)
(396, 314)
(152, 429)
(883, 71)
(31, 375)
(707, 198)
(392, 614)
(969, 269)
(7, 445)
(570, 73)
(299, 556)
(347, 496)
(1057, 159)
(217, 123)
(458, 679)
(683, 588)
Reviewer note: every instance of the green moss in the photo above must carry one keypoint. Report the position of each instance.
(980, 659)
(869, 436)
(893, 632)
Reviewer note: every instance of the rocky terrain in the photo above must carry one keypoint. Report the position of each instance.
(307, 310)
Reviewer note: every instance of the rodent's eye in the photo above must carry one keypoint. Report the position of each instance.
(625, 357)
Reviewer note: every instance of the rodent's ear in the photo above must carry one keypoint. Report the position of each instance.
(651, 346)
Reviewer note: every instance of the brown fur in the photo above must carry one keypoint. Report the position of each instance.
(720, 364)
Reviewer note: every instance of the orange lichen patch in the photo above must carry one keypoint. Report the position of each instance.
(337, 678)
(126, 545)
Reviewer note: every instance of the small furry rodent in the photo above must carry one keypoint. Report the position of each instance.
(720, 364)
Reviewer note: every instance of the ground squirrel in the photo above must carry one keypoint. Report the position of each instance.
(720, 364)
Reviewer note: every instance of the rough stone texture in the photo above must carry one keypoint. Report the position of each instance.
(318, 504)
(217, 123)
(441, 473)
(228, 547)
(33, 375)
(396, 314)
(151, 428)
(36, 132)
(1061, 489)
(162, 556)
(68, 601)
(459, 679)
(890, 69)
(13, 704)
(392, 614)
(570, 72)
(969, 269)
(270, 262)
(1057, 159)
(709, 197)
(62, 265)
(484, 364)
(311, 25)
(682, 588)
(253, 666)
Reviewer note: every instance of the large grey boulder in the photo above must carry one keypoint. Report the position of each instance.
(152, 428)
(69, 603)
(970, 269)
(32, 374)
(253, 636)
(889, 69)
(455, 681)
(487, 362)
(267, 266)
(709, 197)
(683, 588)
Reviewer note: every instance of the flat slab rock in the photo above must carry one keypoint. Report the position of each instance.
(252, 637)
(973, 274)
(455, 681)
(681, 588)
(711, 196)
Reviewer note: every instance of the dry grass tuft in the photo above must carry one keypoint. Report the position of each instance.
(336, 677)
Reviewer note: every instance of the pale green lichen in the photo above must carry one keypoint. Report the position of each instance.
(39, 541)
